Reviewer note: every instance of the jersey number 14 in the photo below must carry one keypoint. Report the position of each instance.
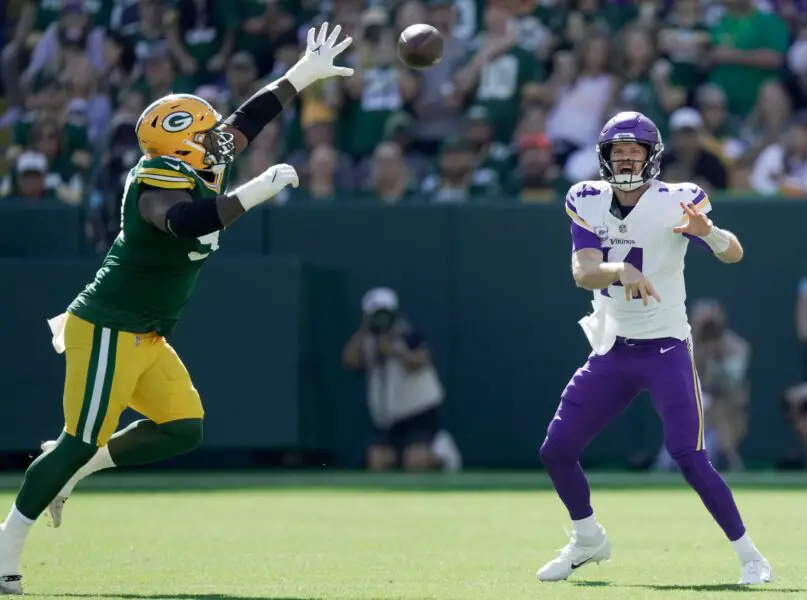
(635, 257)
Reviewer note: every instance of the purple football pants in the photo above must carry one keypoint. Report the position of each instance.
(603, 388)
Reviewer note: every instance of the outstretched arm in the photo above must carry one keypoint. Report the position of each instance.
(699, 227)
(250, 118)
(176, 213)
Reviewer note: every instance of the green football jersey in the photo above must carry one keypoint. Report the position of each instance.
(148, 276)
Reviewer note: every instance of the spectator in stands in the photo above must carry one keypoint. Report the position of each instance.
(398, 129)
(781, 168)
(201, 37)
(579, 92)
(748, 48)
(241, 79)
(537, 176)
(794, 402)
(646, 87)
(71, 35)
(794, 406)
(12, 62)
(389, 180)
(438, 106)
(252, 19)
(121, 153)
(409, 12)
(65, 147)
(404, 393)
(532, 120)
(28, 181)
(457, 179)
(88, 107)
(159, 76)
(379, 87)
(493, 158)
(497, 71)
(318, 183)
(719, 127)
(688, 158)
(722, 359)
(683, 40)
(318, 130)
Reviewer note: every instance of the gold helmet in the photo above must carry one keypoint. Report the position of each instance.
(185, 127)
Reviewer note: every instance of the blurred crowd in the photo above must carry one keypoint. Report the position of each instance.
(510, 114)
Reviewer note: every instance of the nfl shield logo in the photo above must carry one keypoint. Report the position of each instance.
(623, 228)
(137, 340)
(601, 231)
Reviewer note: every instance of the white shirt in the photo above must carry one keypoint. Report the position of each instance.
(644, 239)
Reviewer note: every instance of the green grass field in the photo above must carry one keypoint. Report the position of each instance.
(357, 537)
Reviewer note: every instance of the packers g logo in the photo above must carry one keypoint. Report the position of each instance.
(177, 121)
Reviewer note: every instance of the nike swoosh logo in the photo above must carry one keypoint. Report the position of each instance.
(575, 566)
(175, 167)
(274, 176)
(665, 350)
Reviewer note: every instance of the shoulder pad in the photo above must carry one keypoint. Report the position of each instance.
(685, 192)
(585, 189)
(166, 173)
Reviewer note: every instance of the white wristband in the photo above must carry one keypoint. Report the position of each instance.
(251, 193)
(717, 239)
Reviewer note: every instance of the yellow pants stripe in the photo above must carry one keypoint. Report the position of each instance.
(99, 383)
(696, 383)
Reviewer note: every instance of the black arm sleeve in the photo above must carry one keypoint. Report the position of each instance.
(193, 219)
(253, 115)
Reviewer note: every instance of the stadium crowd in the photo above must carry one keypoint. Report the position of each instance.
(512, 111)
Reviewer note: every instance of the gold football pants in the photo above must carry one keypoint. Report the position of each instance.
(109, 370)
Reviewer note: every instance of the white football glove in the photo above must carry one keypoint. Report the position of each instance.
(266, 185)
(317, 62)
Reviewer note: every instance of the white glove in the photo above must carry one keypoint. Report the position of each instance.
(317, 62)
(267, 184)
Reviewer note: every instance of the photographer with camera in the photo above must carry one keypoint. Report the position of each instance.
(404, 393)
(794, 402)
(722, 359)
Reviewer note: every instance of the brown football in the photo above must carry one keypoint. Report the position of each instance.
(420, 46)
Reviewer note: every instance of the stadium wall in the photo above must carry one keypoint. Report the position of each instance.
(489, 286)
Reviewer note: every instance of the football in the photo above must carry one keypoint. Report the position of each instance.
(420, 46)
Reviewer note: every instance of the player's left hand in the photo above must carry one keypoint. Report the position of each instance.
(697, 223)
(386, 346)
(317, 62)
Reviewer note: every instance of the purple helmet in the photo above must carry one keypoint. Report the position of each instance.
(630, 127)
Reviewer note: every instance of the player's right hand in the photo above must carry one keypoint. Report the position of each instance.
(636, 285)
(266, 185)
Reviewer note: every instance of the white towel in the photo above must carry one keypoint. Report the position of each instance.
(56, 325)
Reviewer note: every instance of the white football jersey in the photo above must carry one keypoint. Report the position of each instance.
(646, 240)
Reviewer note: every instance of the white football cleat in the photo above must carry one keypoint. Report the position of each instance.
(11, 585)
(580, 551)
(755, 571)
(56, 505)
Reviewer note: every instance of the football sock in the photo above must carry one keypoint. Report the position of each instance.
(569, 480)
(140, 443)
(587, 527)
(714, 492)
(745, 548)
(12, 538)
(145, 442)
(48, 474)
(100, 460)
